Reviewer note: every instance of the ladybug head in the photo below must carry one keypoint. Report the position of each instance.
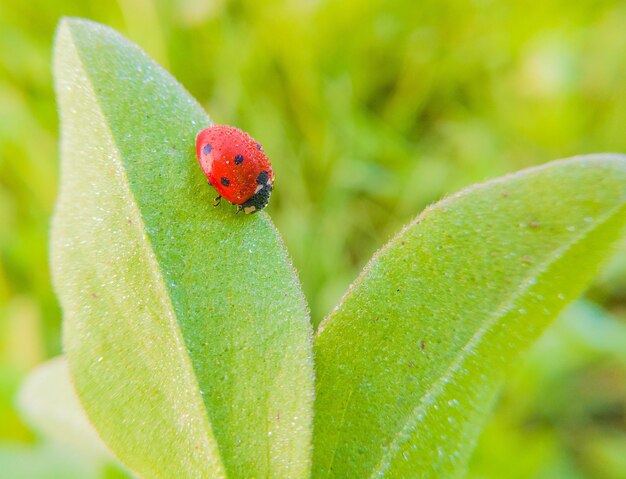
(257, 201)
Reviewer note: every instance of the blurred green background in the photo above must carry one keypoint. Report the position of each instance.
(369, 110)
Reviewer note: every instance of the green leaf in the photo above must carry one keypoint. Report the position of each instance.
(48, 402)
(47, 461)
(409, 363)
(185, 327)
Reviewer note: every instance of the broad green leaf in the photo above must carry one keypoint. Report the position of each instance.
(409, 362)
(184, 325)
(48, 402)
(47, 461)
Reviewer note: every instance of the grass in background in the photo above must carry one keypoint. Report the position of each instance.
(369, 110)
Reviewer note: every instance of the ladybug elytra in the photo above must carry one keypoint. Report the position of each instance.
(235, 166)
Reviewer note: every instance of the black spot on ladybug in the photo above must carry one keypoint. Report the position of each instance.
(238, 159)
(259, 147)
(206, 149)
(262, 178)
(225, 181)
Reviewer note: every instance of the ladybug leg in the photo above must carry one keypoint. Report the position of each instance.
(239, 208)
(218, 200)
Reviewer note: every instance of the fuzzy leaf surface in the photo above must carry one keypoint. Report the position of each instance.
(410, 361)
(184, 325)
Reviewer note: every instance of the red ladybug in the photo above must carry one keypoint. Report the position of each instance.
(235, 166)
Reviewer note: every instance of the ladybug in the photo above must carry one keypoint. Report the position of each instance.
(235, 166)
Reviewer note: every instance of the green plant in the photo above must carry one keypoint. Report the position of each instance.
(188, 337)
